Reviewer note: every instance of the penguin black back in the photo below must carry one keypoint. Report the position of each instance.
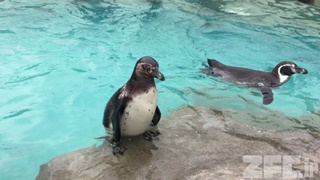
(254, 78)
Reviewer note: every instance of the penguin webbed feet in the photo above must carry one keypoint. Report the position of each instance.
(117, 148)
(151, 135)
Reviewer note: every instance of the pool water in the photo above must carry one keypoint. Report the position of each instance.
(62, 60)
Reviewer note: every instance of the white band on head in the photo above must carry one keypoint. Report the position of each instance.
(283, 78)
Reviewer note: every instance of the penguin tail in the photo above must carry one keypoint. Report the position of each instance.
(214, 63)
(107, 136)
(208, 72)
(102, 137)
(205, 65)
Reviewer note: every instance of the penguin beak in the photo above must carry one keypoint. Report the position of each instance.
(299, 70)
(157, 74)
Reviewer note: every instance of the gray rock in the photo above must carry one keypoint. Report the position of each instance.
(196, 143)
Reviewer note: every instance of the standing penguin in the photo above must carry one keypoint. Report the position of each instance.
(133, 107)
(261, 80)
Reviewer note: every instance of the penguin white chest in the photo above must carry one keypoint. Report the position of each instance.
(139, 112)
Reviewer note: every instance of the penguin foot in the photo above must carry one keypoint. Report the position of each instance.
(119, 150)
(151, 135)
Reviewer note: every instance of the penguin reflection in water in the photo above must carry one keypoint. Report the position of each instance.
(263, 81)
(133, 107)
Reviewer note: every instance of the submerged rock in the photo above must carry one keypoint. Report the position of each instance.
(196, 143)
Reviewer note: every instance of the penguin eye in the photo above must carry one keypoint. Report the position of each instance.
(147, 67)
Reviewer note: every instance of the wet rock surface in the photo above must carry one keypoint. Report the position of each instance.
(196, 143)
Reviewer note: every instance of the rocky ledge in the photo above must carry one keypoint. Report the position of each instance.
(197, 143)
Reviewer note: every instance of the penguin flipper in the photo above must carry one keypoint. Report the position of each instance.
(267, 95)
(115, 120)
(156, 117)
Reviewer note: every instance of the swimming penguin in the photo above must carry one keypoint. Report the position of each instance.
(133, 107)
(261, 80)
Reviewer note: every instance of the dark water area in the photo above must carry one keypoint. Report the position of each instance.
(312, 2)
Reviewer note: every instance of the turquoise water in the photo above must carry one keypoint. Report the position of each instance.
(61, 61)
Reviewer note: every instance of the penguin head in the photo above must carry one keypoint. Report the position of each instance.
(147, 67)
(286, 68)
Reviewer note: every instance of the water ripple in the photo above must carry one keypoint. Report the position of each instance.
(79, 70)
(18, 113)
(7, 32)
(28, 78)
